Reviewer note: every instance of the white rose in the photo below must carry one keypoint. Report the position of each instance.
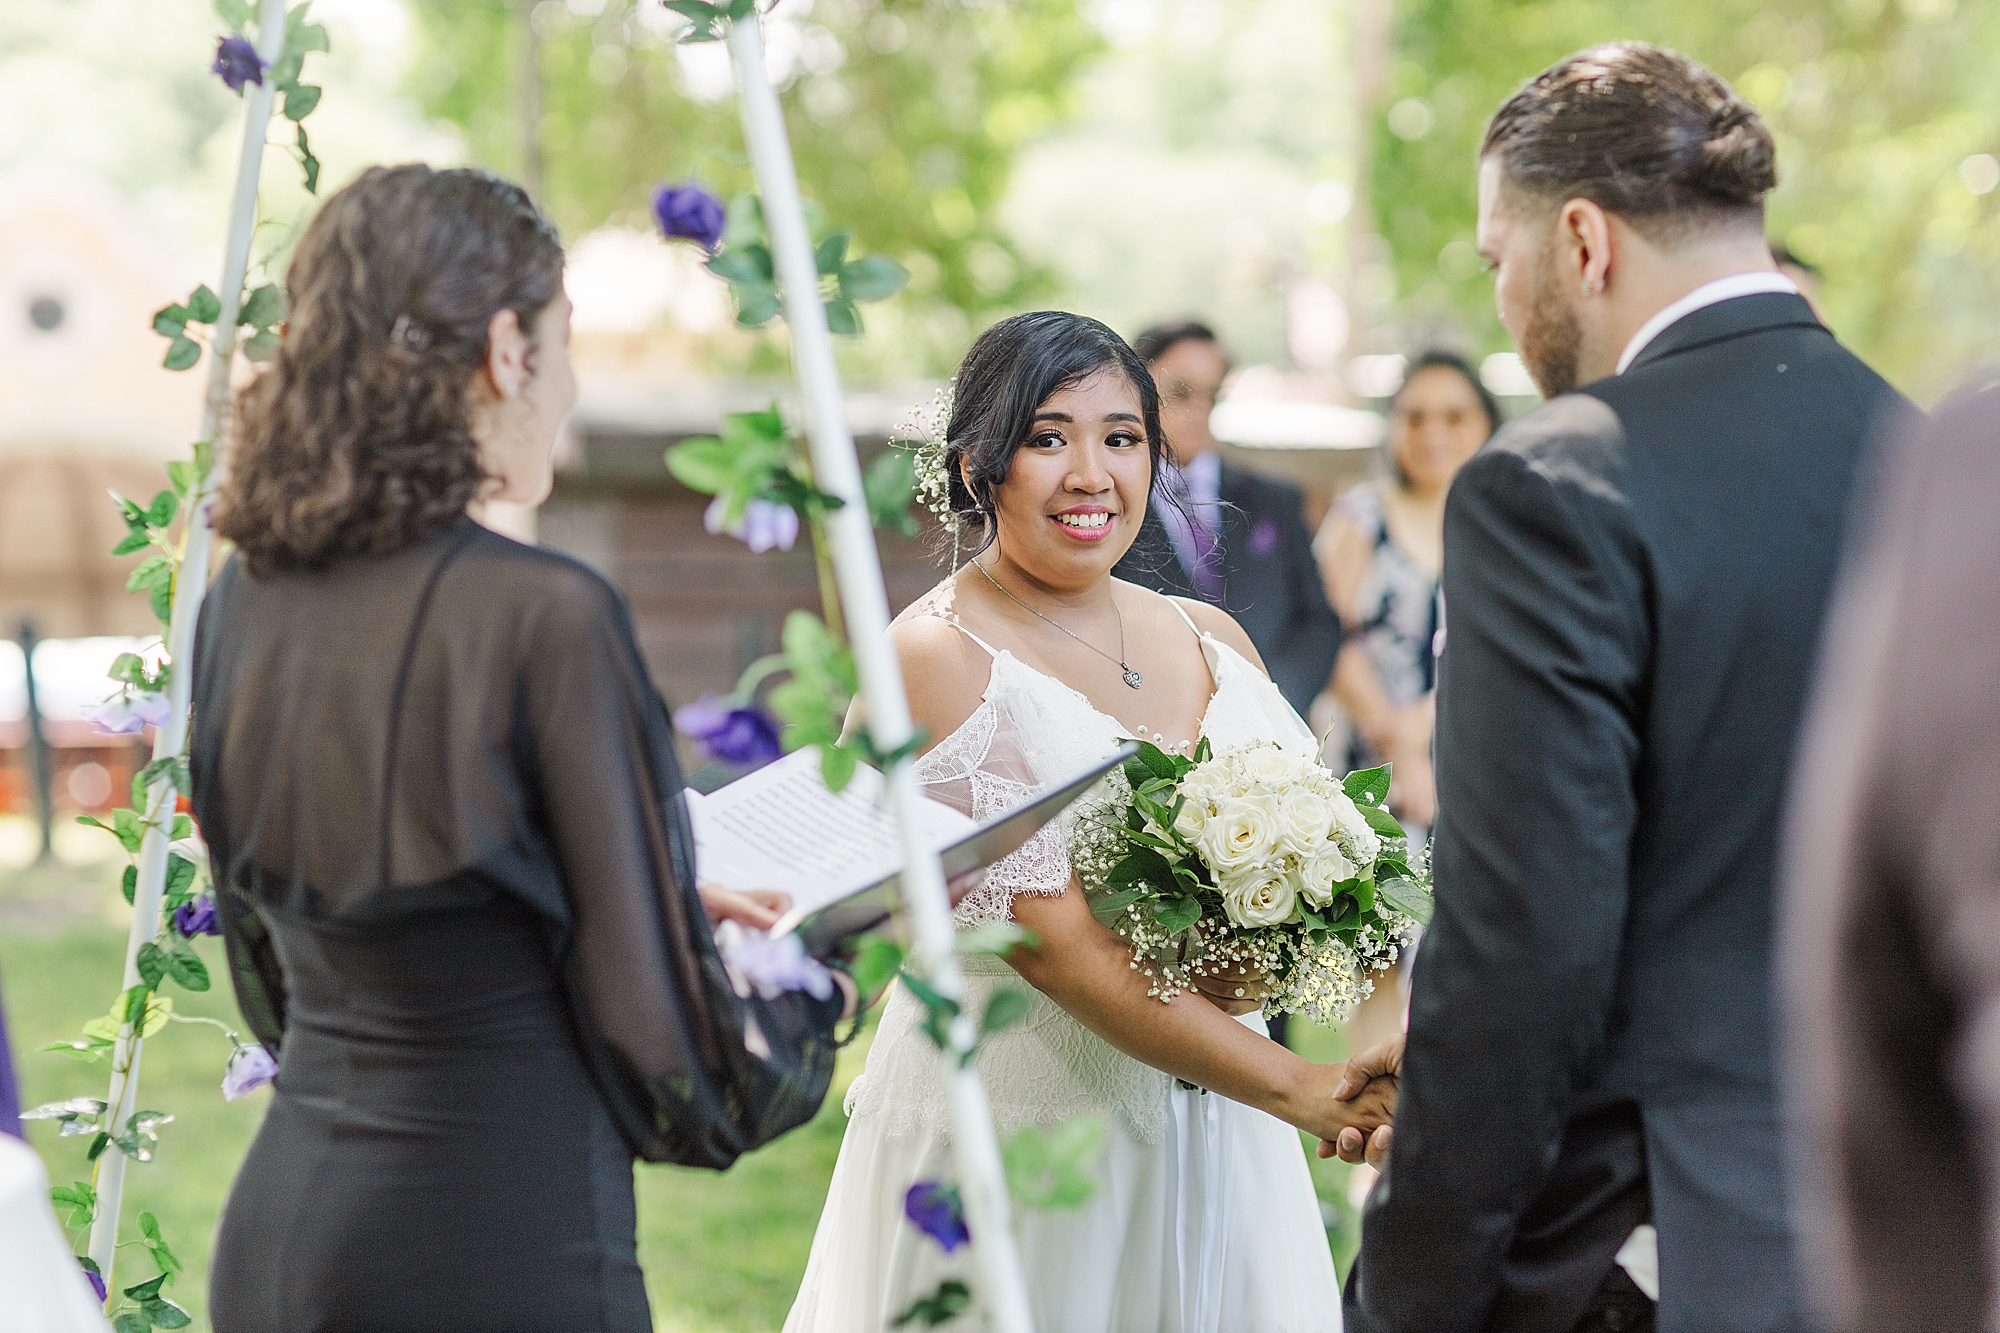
(1307, 816)
(1267, 764)
(1193, 817)
(1321, 874)
(1356, 838)
(1243, 832)
(1262, 898)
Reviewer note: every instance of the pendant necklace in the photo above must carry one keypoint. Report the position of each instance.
(1132, 676)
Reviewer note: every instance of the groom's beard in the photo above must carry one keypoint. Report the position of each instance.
(1552, 341)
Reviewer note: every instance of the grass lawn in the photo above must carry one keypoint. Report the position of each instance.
(722, 1253)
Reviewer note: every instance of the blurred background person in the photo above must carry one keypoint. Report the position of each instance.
(1381, 554)
(1891, 911)
(1235, 539)
(1804, 276)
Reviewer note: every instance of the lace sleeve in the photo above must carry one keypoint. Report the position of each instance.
(984, 769)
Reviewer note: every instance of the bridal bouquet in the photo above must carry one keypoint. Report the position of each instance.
(1255, 858)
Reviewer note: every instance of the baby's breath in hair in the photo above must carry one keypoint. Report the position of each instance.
(922, 432)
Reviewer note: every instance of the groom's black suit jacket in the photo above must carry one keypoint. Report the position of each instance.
(1634, 581)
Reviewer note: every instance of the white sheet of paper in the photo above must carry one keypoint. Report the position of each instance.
(780, 828)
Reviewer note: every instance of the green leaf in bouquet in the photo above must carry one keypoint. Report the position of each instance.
(1367, 786)
(1203, 752)
(1142, 866)
(1382, 821)
(872, 278)
(1346, 910)
(1177, 914)
(1108, 907)
(1311, 917)
(831, 253)
(204, 306)
(1364, 895)
(1157, 762)
(1052, 1167)
(876, 959)
(1008, 1006)
(1406, 896)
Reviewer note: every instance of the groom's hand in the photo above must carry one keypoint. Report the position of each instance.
(758, 909)
(1378, 1065)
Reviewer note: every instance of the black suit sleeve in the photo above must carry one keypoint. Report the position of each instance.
(1537, 744)
(1300, 660)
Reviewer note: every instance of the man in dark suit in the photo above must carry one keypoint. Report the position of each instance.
(1234, 539)
(1635, 576)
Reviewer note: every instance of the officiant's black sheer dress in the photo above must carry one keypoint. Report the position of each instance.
(443, 809)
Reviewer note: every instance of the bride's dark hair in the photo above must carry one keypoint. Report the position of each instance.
(1009, 373)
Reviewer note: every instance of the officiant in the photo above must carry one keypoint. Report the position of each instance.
(443, 813)
(1225, 535)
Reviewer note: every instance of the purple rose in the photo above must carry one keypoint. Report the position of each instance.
(937, 1212)
(690, 213)
(238, 63)
(772, 964)
(95, 1278)
(250, 1068)
(197, 916)
(765, 524)
(729, 733)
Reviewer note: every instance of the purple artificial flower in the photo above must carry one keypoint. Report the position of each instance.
(152, 709)
(937, 1212)
(765, 524)
(113, 717)
(772, 964)
(238, 63)
(197, 916)
(689, 212)
(1264, 537)
(729, 733)
(95, 1278)
(250, 1068)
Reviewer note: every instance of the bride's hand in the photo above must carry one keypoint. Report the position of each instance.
(759, 909)
(1235, 990)
(1331, 1111)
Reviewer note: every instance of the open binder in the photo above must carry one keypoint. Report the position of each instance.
(838, 854)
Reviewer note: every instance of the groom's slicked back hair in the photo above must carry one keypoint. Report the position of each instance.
(1010, 371)
(1646, 133)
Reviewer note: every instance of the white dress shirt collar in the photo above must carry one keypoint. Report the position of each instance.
(1708, 294)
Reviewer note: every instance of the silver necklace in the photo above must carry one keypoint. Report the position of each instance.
(1132, 676)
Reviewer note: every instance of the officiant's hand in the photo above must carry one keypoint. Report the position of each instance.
(758, 909)
(1375, 1069)
(1235, 990)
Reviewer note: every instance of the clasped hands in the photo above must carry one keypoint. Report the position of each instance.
(1367, 1091)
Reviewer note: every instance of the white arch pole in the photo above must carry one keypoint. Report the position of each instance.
(189, 588)
(865, 604)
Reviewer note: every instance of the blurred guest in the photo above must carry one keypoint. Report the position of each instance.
(443, 811)
(1891, 969)
(10, 1092)
(1226, 535)
(1381, 552)
(1804, 276)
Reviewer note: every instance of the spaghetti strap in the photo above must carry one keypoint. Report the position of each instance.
(991, 651)
(1185, 617)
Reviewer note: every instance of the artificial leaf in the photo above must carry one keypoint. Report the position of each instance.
(1008, 1006)
(148, 1290)
(308, 163)
(80, 1197)
(938, 1011)
(153, 570)
(263, 345)
(165, 1314)
(310, 36)
(89, 1050)
(872, 278)
(183, 827)
(163, 1255)
(836, 766)
(180, 473)
(180, 874)
(182, 353)
(748, 266)
(890, 484)
(1051, 1167)
(161, 598)
(97, 1147)
(951, 1299)
(264, 307)
(1367, 786)
(236, 13)
(300, 99)
(996, 938)
(131, 830)
(186, 967)
(151, 963)
(742, 9)
(204, 306)
(704, 464)
(842, 318)
(131, 1321)
(285, 72)
(161, 512)
(698, 11)
(170, 321)
(876, 959)
(129, 668)
(743, 221)
(756, 306)
(831, 253)
(133, 542)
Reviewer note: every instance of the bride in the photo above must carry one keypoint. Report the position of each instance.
(1026, 664)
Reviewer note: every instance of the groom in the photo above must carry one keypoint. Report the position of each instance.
(1634, 580)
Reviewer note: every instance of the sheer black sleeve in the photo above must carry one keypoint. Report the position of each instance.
(696, 1073)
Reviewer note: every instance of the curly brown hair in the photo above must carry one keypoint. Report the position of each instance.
(357, 439)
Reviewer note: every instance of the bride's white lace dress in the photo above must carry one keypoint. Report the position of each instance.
(1205, 1221)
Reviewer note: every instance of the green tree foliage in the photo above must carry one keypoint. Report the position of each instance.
(1876, 105)
(905, 116)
